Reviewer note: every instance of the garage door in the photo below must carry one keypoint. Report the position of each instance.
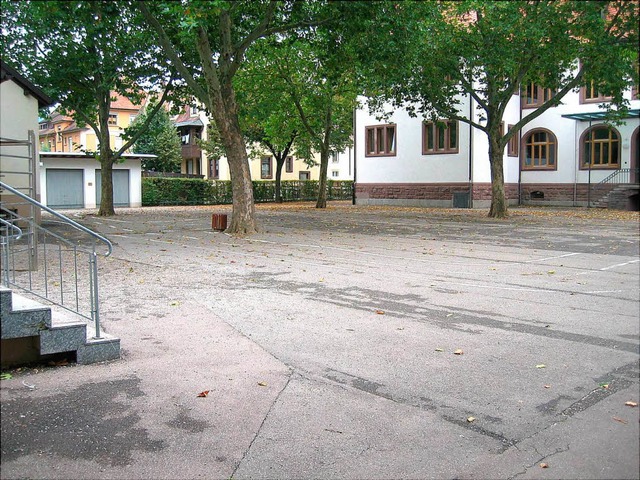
(120, 187)
(65, 188)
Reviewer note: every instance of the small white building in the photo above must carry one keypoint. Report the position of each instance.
(19, 104)
(559, 158)
(73, 180)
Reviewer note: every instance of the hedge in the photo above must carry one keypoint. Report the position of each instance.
(196, 191)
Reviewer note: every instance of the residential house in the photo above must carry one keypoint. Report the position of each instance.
(193, 126)
(71, 176)
(565, 157)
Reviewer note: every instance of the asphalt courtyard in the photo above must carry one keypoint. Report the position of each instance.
(351, 342)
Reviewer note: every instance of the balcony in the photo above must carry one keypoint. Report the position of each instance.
(191, 151)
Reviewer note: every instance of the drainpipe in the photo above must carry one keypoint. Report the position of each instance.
(470, 203)
(589, 186)
(519, 149)
(576, 162)
(355, 150)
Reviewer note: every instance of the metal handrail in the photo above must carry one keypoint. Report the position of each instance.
(65, 219)
(59, 280)
(15, 236)
(619, 173)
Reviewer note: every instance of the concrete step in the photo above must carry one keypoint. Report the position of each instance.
(57, 330)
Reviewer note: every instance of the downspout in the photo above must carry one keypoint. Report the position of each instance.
(519, 148)
(589, 186)
(470, 204)
(355, 163)
(576, 162)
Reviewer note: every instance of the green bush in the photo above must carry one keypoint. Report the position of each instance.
(197, 191)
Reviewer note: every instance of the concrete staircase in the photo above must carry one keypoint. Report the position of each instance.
(621, 197)
(31, 330)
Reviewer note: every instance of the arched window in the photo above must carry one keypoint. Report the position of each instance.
(540, 150)
(600, 148)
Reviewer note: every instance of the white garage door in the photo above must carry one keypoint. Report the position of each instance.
(65, 188)
(120, 187)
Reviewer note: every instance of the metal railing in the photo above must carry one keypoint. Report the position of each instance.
(623, 176)
(55, 259)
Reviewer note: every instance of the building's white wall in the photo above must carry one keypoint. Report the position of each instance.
(18, 115)
(409, 165)
(89, 167)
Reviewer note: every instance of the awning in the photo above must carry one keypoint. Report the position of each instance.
(589, 116)
(196, 122)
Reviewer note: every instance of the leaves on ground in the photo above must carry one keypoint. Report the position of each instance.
(439, 349)
(380, 312)
(620, 420)
(262, 384)
(544, 465)
(203, 394)
(471, 419)
(175, 303)
(541, 365)
(458, 352)
(631, 404)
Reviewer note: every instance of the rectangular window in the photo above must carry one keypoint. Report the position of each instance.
(113, 119)
(214, 168)
(289, 165)
(513, 146)
(265, 167)
(439, 137)
(534, 95)
(590, 94)
(335, 173)
(334, 157)
(380, 140)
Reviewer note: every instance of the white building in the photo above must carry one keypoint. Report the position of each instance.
(558, 158)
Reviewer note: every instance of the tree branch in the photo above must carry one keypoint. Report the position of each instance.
(146, 123)
(171, 53)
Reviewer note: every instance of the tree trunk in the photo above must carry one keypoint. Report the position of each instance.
(279, 163)
(225, 115)
(498, 200)
(106, 191)
(322, 181)
(106, 162)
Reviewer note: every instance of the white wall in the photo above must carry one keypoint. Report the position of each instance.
(89, 167)
(409, 165)
(18, 115)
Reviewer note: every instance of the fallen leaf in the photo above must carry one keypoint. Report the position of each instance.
(175, 303)
(56, 284)
(604, 385)
(547, 386)
(620, 420)
(262, 384)
(130, 269)
(449, 314)
(380, 312)
(544, 465)
(458, 352)
(400, 328)
(439, 349)
(471, 419)
(542, 365)
(203, 394)
(631, 404)
(551, 272)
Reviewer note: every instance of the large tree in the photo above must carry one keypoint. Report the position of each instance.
(81, 53)
(160, 139)
(207, 42)
(428, 56)
(316, 73)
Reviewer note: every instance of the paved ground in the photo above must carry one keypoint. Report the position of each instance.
(327, 343)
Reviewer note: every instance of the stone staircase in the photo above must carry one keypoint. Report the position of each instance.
(31, 331)
(621, 197)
